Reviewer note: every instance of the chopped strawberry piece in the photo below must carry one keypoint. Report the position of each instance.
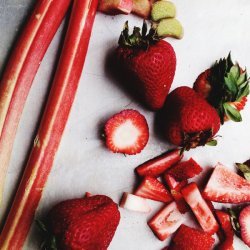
(188, 238)
(244, 220)
(88, 194)
(166, 221)
(151, 188)
(227, 234)
(227, 187)
(127, 132)
(200, 208)
(185, 170)
(175, 188)
(134, 203)
(158, 165)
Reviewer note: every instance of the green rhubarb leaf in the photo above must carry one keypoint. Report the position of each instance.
(232, 113)
(212, 143)
(231, 85)
(244, 169)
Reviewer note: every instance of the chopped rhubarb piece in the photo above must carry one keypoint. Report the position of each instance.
(166, 221)
(52, 125)
(226, 234)
(134, 203)
(115, 7)
(157, 166)
(188, 238)
(151, 188)
(142, 8)
(200, 208)
(185, 170)
(244, 220)
(226, 186)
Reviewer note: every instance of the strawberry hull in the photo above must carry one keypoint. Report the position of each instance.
(52, 126)
(21, 70)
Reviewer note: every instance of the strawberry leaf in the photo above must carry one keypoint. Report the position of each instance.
(212, 143)
(231, 84)
(232, 113)
(243, 91)
(244, 169)
(234, 72)
(242, 78)
(234, 218)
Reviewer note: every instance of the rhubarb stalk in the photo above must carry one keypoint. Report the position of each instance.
(52, 125)
(21, 70)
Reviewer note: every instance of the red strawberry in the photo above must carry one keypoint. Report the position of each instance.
(127, 132)
(175, 190)
(200, 208)
(158, 165)
(227, 230)
(88, 223)
(244, 220)
(226, 186)
(150, 61)
(185, 170)
(225, 86)
(188, 238)
(151, 188)
(166, 221)
(189, 121)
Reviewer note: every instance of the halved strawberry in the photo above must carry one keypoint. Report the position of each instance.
(151, 188)
(127, 132)
(166, 221)
(158, 165)
(185, 170)
(200, 208)
(227, 231)
(226, 186)
(188, 238)
(134, 203)
(244, 220)
(175, 190)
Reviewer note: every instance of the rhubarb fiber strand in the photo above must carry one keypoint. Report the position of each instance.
(21, 70)
(52, 125)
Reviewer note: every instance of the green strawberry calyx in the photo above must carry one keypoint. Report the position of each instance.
(244, 169)
(140, 38)
(229, 89)
(202, 138)
(49, 240)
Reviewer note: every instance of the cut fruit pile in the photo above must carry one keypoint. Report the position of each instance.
(181, 197)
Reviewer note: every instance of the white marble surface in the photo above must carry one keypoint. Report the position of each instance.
(212, 29)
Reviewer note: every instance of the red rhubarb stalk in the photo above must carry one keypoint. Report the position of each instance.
(52, 125)
(158, 165)
(21, 70)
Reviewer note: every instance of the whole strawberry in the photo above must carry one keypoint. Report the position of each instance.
(189, 120)
(150, 61)
(88, 223)
(225, 86)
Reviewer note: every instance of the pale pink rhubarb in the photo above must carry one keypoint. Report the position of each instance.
(21, 70)
(52, 125)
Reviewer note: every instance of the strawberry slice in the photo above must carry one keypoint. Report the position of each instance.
(188, 238)
(126, 132)
(227, 187)
(227, 234)
(158, 165)
(166, 221)
(244, 220)
(200, 208)
(175, 188)
(185, 170)
(151, 188)
(134, 203)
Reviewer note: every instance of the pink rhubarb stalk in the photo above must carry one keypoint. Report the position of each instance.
(54, 120)
(21, 70)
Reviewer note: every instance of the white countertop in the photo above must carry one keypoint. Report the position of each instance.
(212, 29)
